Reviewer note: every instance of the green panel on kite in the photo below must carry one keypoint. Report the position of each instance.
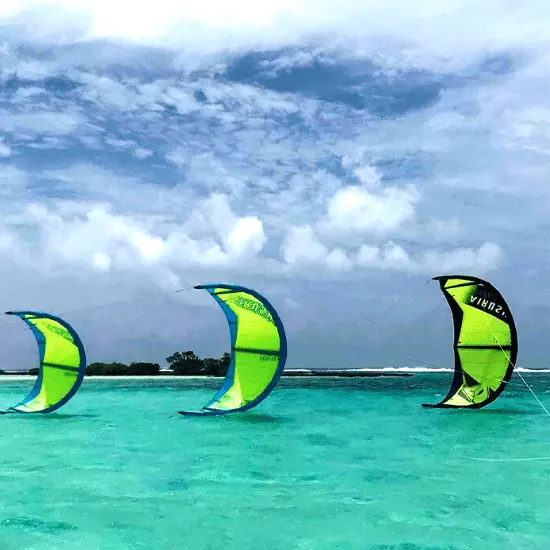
(485, 342)
(62, 363)
(258, 349)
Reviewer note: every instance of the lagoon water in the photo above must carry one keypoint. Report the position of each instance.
(322, 464)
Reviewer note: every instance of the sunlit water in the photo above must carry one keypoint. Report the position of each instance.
(322, 464)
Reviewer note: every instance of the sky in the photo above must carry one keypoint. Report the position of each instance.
(334, 156)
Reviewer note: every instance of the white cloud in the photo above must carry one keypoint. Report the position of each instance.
(101, 261)
(302, 249)
(245, 237)
(141, 153)
(367, 175)
(96, 238)
(486, 258)
(357, 210)
(5, 150)
(269, 169)
(392, 256)
(435, 28)
(41, 122)
(129, 193)
(13, 188)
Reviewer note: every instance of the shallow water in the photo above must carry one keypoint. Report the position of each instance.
(322, 464)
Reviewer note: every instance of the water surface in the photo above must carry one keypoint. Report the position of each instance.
(322, 464)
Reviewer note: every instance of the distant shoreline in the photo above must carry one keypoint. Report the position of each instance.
(301, 373)
(291, 373)
(347, 373)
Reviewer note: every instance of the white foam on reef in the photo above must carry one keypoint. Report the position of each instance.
(407, 369)
(430, 369)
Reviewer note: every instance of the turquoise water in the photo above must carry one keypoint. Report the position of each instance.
(322, 464)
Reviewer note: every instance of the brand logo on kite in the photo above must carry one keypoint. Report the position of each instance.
(475, 394)
(64, 333)
(254, 307)
(488, 305)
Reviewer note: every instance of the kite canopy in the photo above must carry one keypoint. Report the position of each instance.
(62, 363)
(485, 342)
(258, 350)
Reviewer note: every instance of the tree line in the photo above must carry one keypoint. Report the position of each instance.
(182, 363)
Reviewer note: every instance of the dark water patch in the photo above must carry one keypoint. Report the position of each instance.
(437, 514)
(38, 525)
(32, 469)
(346, 383)
(47, 417)
(119, 526)
(308, 478)
(177, 484)
(325, 440)
(509, 411)
(408, 546)
(385, 476)
(257, 418)
(362, 500)
(62, 416)
(259, 476)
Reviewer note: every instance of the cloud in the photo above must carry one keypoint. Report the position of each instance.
(356, 210)
(5, 151)
(239, 141)
(246, 236)
(435, 29)
(93, 237)
(242, 237)
(303, 251)
(41, 122)
(141, 153)
(392, 256)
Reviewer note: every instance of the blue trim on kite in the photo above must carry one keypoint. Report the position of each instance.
(282, 352)
(41, 341)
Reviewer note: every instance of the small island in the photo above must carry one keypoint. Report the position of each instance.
(187, 363)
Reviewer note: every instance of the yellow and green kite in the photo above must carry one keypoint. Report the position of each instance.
(62, 363)
(258, 350)
(485, 342)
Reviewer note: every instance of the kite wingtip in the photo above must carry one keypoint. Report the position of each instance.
(191, 413)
